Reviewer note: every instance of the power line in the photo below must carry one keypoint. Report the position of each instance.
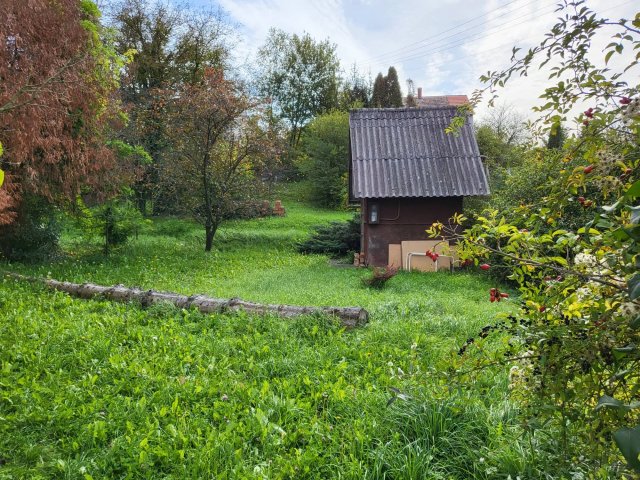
(421, 42)
(411, 57)
(464, 40)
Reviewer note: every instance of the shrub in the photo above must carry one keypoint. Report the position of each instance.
(35, 233)
(115, 221)
(337, 239)
(573, 345)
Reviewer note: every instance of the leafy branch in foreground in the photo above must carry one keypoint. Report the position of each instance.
(579, 323)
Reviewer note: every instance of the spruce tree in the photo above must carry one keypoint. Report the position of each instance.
(393, 93)
(557, 137)
(378, 98)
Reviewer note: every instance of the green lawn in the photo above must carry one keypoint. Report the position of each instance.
(91, 389)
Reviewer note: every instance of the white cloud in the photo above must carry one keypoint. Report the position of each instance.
(444, 47)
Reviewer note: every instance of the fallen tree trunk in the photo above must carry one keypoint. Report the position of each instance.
(349, 316)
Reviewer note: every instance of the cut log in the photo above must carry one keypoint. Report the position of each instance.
(349, 316)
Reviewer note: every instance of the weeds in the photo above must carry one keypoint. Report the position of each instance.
(379, 277)
(92, 389)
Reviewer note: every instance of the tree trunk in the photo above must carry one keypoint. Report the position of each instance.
(349, 316)
(210, 231)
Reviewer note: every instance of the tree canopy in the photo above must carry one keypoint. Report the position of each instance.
(300, 77)
(56, 77)
(217, 141)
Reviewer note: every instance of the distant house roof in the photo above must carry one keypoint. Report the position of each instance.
(441, 100)
(405, 152)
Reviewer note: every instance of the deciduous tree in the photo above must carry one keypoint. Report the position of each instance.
(355, 91)
(326, 159)
(56, 79)
(300, 76)
(574, 341)
(217, 141)
(173, 46)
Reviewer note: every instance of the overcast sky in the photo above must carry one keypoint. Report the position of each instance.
(443, 46)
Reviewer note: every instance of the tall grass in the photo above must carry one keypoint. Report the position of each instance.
(91, 389)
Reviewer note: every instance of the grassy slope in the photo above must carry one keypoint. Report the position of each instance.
(162, 393)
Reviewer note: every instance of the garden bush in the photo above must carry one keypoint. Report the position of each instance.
(115, 221)
(338, 239)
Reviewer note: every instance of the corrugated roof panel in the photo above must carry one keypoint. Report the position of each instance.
(405, 152)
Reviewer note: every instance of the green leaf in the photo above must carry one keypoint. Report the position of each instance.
(634, 286)
(628, 441)
(608, 56)
(609, 402)
(1, 177)
(560, 260)
(634, 190)
(633, 232)
(635, 323)
(611, 208)
(635, 213)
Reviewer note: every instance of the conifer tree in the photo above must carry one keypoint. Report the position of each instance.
(393, 93)
(557, 137)
(379, 92)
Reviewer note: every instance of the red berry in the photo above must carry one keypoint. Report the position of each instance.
(581, 199)
(485, 266)
(625, 101)
(588, 169)
(542, 308)
(589, 113)
(493, 299)
(585, 123)
(504, 295)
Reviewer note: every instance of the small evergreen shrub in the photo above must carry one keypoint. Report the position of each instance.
(337, 239)
(115, 221)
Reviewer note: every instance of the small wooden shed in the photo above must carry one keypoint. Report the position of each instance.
(407, 173)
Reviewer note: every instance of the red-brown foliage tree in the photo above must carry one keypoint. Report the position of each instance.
(56, 77)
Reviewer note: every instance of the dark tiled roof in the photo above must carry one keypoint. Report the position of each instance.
(405, 152)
